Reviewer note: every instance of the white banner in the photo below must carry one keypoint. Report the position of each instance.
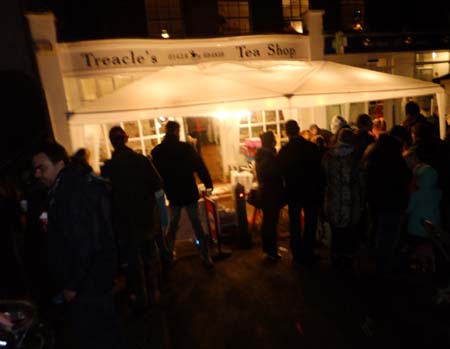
(82, 57)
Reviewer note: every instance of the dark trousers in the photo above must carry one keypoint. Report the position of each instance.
(269, 230)
(95, 322)
(344, 241)
(302, 247)
(387, 236)
(141, 259)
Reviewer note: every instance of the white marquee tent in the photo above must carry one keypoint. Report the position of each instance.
(208, 88)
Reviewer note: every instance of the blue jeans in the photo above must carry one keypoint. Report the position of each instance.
(302, 247)
(192, 211)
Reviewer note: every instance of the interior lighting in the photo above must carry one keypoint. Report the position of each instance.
(433, 55)
(165, 34)
(243, 114)
(221, 114)
(297, 26)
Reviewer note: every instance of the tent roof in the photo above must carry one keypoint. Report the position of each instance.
(260, 85)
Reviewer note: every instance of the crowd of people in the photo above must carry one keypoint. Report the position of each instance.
(366, 184)
(84, 232)
(85, 236)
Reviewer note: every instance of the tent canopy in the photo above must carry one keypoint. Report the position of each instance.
(207, 88)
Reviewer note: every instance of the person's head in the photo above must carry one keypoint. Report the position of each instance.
(400, 133)
(378, 127)
(81, 155)
(338, 122)
(421, 132)
(314, 129)
(319, 141)
(364, 122)
(292, 129)
(172, 130)
(412, 109)
(48, 161)
(268, 139)
(345, 136)
(306, 134)
(117, 136)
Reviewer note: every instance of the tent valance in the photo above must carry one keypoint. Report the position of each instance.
(204, 89)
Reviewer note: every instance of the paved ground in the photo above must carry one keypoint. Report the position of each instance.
(248, 302)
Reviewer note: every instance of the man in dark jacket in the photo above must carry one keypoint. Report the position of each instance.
(177, 162)
(80, 246)
(134, 183)
(301, 169)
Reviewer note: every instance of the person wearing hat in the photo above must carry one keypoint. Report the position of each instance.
(301, 168)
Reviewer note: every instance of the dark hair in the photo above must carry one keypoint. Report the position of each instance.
(423, 131)
(267, 139)
(117, 136)
(412, 108)
(291, 127)
(346, 136)
(54, 151)
(400, 133)
(364, 121)
(172, 127)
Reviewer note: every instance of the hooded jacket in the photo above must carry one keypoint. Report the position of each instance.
(424, 202)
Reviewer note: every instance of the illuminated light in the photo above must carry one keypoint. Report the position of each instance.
(434, 55)
(221, 114)
(358, 27)
(165, 34)
(158, 125)
(243, 114)
(269, 103)
(241, 195)
(3, 343)
(297, 26)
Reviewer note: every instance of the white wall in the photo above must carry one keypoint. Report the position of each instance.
(43, 32)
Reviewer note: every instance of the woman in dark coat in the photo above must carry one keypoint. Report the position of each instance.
(270, 183)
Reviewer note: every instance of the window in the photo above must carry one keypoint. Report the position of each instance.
(144, 135)
(234, 17)
(251, 126)
(292, 14)
(164, 15)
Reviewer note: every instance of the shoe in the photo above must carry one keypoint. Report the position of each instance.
(274, 257)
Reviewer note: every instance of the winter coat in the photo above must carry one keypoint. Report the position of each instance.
(300, 163)
(387, 176)
(81, 244)
(134, 183)
(424, 202)
(177, 162)
(270, 180)
(341, 197)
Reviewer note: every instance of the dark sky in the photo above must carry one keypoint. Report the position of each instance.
(90, 19)
(393, 15)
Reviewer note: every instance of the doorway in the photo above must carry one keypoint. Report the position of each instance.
(203, 133)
